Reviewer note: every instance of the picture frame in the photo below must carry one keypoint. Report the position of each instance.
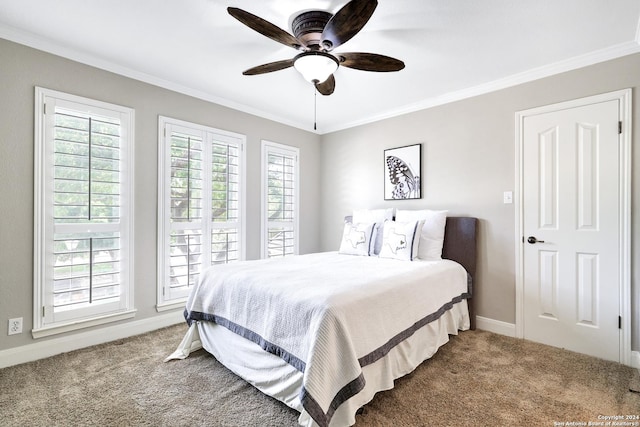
(403, 172)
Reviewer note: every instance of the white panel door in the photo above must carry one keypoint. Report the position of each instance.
(571, 229)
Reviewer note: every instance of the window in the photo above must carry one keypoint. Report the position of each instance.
(200, 213)
(83, 214)
(279, 200)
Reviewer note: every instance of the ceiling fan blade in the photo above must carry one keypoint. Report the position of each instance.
(327, 87)
(369, 62)
(268, 68)
(264, 27)
(347, 22)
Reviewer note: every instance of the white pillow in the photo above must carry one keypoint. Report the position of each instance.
(400, 240)
(372, 215)
(357, 239)
(379, 216)
(432, 234)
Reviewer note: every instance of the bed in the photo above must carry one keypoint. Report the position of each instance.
(327, 347)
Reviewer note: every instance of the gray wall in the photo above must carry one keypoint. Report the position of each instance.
(468, 158)
(21, 69)
(468, 162)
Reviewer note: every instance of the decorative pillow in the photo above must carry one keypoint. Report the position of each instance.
(379, 216)
(357, 239)
(432, 234)
(400, 240)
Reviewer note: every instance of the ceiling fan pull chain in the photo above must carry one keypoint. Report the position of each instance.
(315, 107)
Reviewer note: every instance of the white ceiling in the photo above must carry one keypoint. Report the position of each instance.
(452, 49)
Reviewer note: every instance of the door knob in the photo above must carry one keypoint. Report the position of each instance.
(533, 240)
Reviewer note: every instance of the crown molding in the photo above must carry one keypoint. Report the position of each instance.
(42, 44)
(591, 58)
(570, 64)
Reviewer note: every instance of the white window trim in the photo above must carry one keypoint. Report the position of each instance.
(42, 230)
(162, 303)
(274, 147)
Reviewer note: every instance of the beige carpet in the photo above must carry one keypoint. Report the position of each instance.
(477, 379)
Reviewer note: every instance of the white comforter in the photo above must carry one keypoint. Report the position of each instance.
(327, 314)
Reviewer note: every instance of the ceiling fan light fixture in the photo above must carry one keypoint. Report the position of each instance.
(315, 66)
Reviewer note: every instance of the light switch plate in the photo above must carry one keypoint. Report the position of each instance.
(508, 197)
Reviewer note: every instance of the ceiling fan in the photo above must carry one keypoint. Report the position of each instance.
(316, 34)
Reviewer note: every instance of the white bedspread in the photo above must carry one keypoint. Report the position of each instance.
(327, 314)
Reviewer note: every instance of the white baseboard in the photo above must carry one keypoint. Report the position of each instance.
(509, 329)
(496, 326)
(635, 359)
(53, 346)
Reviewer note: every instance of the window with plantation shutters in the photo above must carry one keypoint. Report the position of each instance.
(200, 204)
(83, 187)
(280, 200)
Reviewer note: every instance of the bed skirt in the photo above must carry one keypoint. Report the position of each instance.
(274, 377)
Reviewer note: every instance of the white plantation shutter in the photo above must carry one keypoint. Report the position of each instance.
(83, 212)
(186, 209)
(280, 200)
(200, 197)
(225, 201)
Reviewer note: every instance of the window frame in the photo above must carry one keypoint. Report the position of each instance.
(268, 147)
(45, 320)
(168, 299)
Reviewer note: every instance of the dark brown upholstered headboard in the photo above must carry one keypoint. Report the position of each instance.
(460, 245)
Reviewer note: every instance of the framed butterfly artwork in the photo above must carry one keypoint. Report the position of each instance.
(403, 171)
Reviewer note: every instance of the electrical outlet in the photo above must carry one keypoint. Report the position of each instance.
(15, 326)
